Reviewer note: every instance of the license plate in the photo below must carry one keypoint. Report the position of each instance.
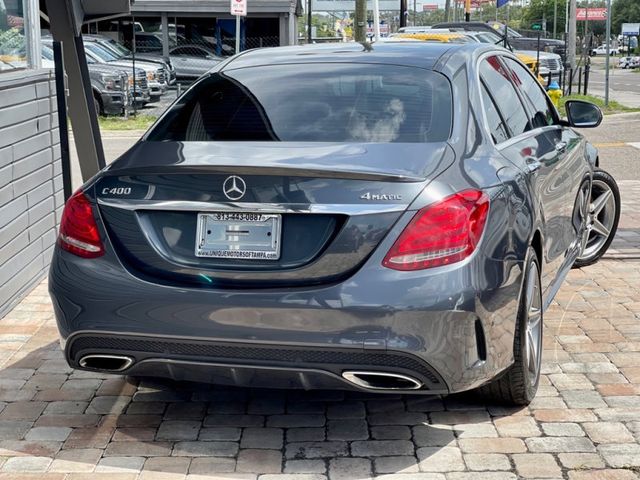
(241, 235)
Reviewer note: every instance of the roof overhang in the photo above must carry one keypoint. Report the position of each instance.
(212, 7)
(78, 12)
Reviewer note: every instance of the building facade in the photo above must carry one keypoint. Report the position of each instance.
(31, 192)
(204, 22)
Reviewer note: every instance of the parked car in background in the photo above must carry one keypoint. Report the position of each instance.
(550, 63)
(150, 42)
(139, 93)
(458, 35)
(515, 39)
(602, 50)
(258, 234)
(156, 76)
(115, 28)
(123, 53)
(192, 61)
(109, 84)
(629, 62)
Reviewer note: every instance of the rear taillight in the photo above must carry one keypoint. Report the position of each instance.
(441, 233)
(78, 230)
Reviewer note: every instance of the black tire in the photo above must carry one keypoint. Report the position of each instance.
(518, 386)
(98, 105)
(602, 178)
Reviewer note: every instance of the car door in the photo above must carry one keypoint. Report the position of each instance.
(180, 62)
(529, 142)
(571, 170)
(201, 61)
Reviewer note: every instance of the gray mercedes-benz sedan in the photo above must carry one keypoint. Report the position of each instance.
(387, 218)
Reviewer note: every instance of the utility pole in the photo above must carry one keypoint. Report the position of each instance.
(360, 21)
(571, 35)
(376, 20)
(447, 10)
(555, 18)
(309, 18)
(403, 13)
(587, 41)
(606, 62)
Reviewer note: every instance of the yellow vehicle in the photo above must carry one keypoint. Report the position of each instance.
(455, 37)
(532, 64)
(444, 37)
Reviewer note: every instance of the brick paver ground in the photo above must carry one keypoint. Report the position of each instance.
(56, 423)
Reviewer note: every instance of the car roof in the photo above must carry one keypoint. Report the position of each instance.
(416, 54)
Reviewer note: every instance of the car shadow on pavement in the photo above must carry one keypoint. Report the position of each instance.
(55, 419)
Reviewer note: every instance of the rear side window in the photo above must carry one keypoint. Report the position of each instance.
(313, 103)
(536, 99)
(497, 78)
(497, 125)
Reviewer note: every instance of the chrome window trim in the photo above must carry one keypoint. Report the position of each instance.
(181, 205)
(485, 122)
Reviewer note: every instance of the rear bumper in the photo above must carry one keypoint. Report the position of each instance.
(456, 322)
(246, 364)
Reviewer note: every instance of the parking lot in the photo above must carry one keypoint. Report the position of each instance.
(56, 423)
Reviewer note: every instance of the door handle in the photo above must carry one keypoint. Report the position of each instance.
(561, 146)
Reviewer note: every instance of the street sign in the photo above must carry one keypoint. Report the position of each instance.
(384, 30)
(631, 29)
(591, 14)
(501, 3)
(429, 7)
(478, 3)
(239, 7)
(536, 26)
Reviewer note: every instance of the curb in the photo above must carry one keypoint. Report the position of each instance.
(623, 115)
(118, 133)
(123, 133)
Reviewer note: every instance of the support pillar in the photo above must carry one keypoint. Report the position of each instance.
(164, 19)
(66, 22)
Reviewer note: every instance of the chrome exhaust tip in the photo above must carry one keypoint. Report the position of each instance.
(382, 380)
(106, 363)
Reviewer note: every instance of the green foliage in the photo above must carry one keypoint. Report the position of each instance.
(624, 11)
(543, 9)
(139, 122)
(11, 41)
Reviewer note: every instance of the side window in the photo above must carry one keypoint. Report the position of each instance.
(494, 74)
(536, 99)
(497, 126)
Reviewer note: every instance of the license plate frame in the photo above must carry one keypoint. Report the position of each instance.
(238, 235)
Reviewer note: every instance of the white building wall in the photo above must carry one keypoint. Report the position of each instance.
(31, 195)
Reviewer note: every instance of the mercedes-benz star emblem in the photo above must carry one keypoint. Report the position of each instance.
(234, 187)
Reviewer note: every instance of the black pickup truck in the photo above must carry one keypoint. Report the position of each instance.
(516, 40)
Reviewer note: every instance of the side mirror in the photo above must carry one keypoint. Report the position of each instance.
(581, 114)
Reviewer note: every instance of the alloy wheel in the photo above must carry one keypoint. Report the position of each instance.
(533, 337)
(600, 218)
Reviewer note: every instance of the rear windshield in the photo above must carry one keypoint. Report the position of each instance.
(313, 103)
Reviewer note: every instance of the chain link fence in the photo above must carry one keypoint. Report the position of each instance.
(192, 58)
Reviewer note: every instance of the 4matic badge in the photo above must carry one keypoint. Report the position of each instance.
(380, 196)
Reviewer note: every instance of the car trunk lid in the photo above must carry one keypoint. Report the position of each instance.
(332, 204)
